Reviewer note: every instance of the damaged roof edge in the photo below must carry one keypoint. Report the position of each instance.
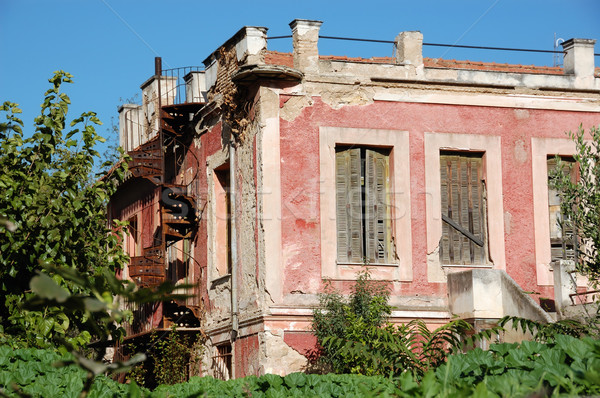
(232, 40)
(249, 73)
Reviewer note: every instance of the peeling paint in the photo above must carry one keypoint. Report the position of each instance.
(521, 151)
(294, 105)
(277, 357)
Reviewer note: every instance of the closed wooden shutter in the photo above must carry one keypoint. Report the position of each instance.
(463, 210)
(377, 215)
(563, 240)
(349, 206)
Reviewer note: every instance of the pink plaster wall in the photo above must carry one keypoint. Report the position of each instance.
(300, 179)
(303, 342)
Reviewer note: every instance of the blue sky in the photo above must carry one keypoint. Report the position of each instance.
(109, 46)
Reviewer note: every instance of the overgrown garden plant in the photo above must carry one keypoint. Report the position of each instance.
(348, 319)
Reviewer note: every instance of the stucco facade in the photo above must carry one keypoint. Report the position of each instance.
(259, 166)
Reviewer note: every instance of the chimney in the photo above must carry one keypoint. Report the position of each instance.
(409, 48)
(579, 57)
(305, 34)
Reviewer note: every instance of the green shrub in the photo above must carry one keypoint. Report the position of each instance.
(394, 350)
(169, 357)
(349, 319)
(292, 385)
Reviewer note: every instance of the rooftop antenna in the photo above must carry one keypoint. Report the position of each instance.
(557, 54)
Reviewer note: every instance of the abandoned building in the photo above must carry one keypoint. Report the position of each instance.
(262, 173)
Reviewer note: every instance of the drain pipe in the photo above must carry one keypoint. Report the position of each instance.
(234, 263)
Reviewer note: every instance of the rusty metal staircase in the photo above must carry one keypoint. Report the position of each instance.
(147, 161)
(178, 213)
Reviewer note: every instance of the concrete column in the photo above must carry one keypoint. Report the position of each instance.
(564, 283)
(305, 34)
(579, 57)
(409, 48)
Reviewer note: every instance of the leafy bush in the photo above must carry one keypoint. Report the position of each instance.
(393, 350)
(565, 366)
(545, 332)
(355, 337)
(54, 212)
(349, 319)
(272, 386)
(169, 358)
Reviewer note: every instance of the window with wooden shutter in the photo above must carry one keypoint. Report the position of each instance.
(464, 229)
(563, 240)
(362, 205)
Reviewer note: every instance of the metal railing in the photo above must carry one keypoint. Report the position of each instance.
(186, 85)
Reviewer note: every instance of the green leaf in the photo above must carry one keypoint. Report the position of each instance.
(46, 287)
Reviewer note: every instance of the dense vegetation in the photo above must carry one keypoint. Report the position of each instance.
(54, 213)
(58, 253)
(564, 366)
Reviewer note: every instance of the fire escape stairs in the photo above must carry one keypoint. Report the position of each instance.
(148, 270)
(146, 161)
(174, 118)
(178, 213)
(179, 216)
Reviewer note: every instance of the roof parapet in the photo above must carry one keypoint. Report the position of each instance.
(305, 36)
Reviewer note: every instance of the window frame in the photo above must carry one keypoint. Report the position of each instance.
(541, 149)
(490, 146)
(397, 142)
(215, 162)
(563, 240)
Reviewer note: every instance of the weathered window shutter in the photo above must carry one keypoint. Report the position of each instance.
(376, 207)
(563, 239)
(349, 206)
(463, 210)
